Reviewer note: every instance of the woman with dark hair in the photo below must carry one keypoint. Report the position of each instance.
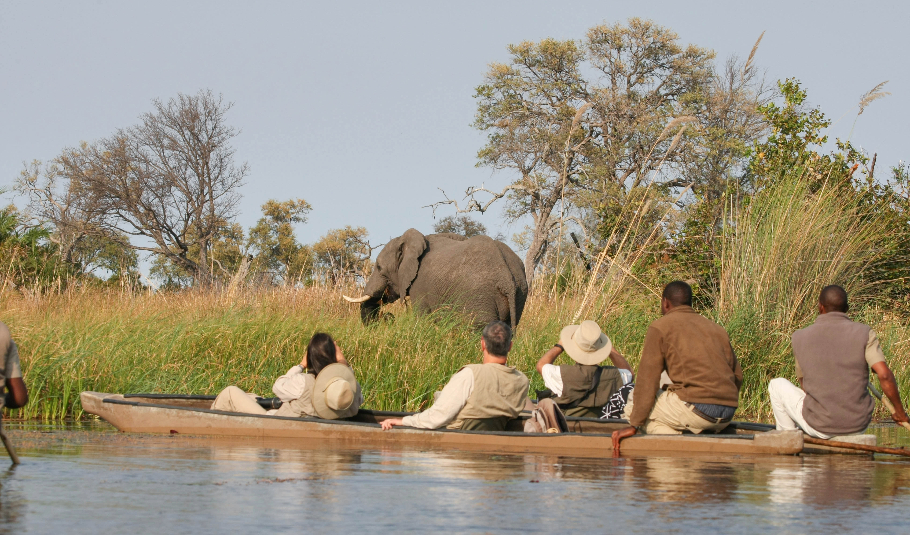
(322, 385)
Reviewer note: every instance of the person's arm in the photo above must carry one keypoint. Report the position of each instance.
(17, 395)
(450, 402)
(291, 385)
(620, 362)
(549, 357)
(889, 387)
(649, 370)
(339, 356)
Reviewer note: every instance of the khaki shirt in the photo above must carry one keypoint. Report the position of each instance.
(302, 405)
(447, 405)
(874, 354)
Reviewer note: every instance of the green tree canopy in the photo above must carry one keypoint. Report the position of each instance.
(274, 243)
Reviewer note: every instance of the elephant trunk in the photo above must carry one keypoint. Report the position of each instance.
(374, 296)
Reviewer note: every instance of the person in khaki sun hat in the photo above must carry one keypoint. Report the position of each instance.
(697, 356)
(586, 389)
(303, 390)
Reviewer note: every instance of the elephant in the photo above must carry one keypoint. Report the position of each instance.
(479, 275)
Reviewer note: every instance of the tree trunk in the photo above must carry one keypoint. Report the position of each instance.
(536, 251)
(203, 276)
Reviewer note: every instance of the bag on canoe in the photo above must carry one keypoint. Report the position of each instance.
(546, 418)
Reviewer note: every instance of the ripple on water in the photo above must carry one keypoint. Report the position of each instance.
(89, 478)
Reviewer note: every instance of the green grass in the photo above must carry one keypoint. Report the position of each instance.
(198, 343)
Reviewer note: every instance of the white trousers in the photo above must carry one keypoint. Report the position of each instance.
(787, 403)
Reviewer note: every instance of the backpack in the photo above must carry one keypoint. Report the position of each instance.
(546, 418)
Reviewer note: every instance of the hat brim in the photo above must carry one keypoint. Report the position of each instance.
(323, 380)
(578, 354)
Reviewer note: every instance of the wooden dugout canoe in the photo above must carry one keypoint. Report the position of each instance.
(191, 415)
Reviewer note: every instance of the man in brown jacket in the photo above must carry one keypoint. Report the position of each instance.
(833, 357)
(704, 373)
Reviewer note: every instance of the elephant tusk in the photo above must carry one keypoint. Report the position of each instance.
(360, 299)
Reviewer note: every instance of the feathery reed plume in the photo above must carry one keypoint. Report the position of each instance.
(581, 111)
(874, 94)
(748, 65)
(871, 96)
(673, 124)
(675, 141)
(683, 120)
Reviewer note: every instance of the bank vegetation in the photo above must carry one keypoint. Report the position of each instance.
(633, 159)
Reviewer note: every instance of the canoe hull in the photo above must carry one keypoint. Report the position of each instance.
(136, 417)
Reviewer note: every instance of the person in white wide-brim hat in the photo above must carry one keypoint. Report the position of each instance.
(321, 385)
(586, 389)
(335, 392)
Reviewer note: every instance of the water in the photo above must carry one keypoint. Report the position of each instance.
(91, 479)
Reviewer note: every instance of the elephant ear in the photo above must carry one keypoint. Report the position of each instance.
(413, 244)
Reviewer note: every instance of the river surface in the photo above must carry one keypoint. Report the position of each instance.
(88, 478)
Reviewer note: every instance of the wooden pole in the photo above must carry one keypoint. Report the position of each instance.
(8, 444)
(858, 447)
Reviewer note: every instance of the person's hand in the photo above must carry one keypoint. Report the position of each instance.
(390, 422)
(303, 362)
(900, 417)
(620, 434)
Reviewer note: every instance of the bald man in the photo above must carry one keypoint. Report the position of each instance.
(833, 357)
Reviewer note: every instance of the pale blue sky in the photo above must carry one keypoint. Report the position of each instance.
(364, 108)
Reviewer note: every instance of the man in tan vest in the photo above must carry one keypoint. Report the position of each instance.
(833, 357)
(480, 397)
(13, 393)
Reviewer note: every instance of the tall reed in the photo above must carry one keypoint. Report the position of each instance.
(778, 252)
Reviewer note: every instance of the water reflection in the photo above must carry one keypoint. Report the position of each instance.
(93, 480)
(12, 503)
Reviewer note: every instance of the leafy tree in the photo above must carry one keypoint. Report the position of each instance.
(95, 252)
(463, 225)
(274, 242)
(586, 126)
(29, 258)
(342, 253)
(791, 151)
(171, 180)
